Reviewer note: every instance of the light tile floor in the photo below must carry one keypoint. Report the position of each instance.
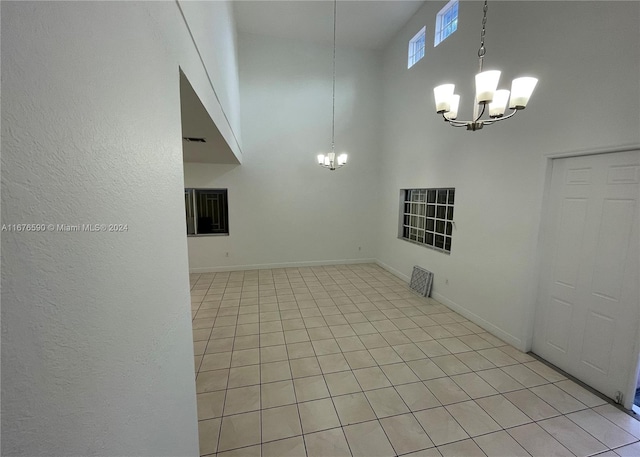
(347, 361)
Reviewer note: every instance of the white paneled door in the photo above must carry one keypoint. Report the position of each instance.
(588, 301)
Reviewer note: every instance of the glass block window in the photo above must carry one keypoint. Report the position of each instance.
(446, 22)
(416, 47)
(427, 217)
(207, 211)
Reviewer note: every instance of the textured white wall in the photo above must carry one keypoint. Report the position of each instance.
(97, 355)
(587, 58)
(283, 208)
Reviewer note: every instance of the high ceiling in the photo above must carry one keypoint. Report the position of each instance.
(361, 24)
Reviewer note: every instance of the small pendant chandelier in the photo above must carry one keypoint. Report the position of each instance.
(330, 161)
(486, 94)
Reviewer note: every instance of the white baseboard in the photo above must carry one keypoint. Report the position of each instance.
(265, 266)
(392, 270)
(488, 326)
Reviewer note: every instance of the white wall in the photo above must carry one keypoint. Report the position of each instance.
(587, 58)
(97, 355)
(212, 27)
(283, 208)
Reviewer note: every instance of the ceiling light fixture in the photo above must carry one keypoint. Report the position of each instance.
(330, 161)
(486, 94)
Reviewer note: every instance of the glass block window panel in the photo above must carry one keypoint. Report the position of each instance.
(207, 211)
(416, 47)
(188, 205)
(446, 22)
(427, 217)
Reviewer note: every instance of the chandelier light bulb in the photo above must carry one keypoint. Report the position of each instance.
(453, 108)
(521, 90)
(320, 159)
(486, 85)
(443, 95)
(499, 103)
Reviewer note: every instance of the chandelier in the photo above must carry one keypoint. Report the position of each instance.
(330, 161)
(486, 94)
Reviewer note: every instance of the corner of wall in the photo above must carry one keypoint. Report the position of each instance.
(212, 29)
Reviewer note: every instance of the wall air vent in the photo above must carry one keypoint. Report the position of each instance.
(194, 140)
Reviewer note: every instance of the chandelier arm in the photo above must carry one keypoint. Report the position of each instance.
(332, 167)
(484, 107)
(452, 121)
(496, 119)
(457, 123)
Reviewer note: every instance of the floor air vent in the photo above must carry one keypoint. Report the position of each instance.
(421, 281)
(191, 139)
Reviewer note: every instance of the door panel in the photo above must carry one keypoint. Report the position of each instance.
(588, 300)
(597, 348)
(559, 318)
(570, 234)
(616, 224)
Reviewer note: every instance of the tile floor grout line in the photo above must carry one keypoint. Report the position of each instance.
(354, 288)
(224, 402)
(295, 396)
(329, 390)
(260, 370)
(367, 398)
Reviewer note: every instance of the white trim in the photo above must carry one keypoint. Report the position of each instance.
(536, 259)
(392, 270)
(439, 29)
(412, 54)
(488, 326)
(588, 152)
(265, 266)
(628, 397)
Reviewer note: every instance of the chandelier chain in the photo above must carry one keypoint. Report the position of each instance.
(333, 108)
(482, 51)
(331, 161)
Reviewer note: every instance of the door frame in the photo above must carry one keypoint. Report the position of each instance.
(543, 235)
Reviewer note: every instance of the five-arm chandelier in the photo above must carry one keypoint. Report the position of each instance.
(486, 94)
(330, 161)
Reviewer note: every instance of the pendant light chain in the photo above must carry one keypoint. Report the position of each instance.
(330, 161)
(482, 51)
(333, 109)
